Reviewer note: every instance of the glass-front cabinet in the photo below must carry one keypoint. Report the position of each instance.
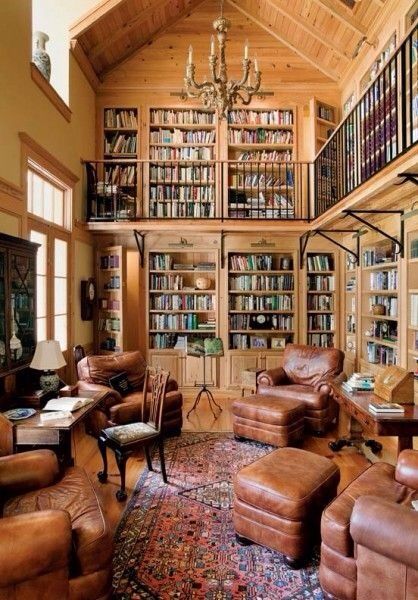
(17, 303)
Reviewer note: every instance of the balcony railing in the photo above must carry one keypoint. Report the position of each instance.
(382, 125)
(197, 189)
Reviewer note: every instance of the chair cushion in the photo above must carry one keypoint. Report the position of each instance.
(268, 409)
(132, 432)
(313, 400)
(74, 493)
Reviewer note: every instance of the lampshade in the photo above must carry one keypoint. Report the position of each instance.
(48, 356)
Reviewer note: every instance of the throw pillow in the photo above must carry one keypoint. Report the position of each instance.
(120, 383)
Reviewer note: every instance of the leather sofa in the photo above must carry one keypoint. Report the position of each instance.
(305, 376)
(369, 533)
(94, 372)
(55, 543)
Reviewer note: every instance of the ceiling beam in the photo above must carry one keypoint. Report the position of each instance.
(313, 31)
(127, 27)
(93, 16)
(338, 11)
(284, 40)
(85, 64)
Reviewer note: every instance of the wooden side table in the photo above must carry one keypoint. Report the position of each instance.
(249, 379)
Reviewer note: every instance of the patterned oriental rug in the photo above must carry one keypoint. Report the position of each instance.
(177, 541)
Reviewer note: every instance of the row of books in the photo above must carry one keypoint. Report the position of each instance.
(322, 322)
(245, 212)
(325, 112)
(321, 283)
(384, 280)
(251, 262)
(120, 175)
(109, 261)
(386, 330)
(414, 310)
(120, 144)
(179, 136)
(183, 302)
(109, 324)
(182, 117)
(320, 262)
(181, 192)
(182, 174)
(266, 155)
(199, 209)
(260, 136)
(322, 340)
(378, 354)
(263, 117)
(377, 256)
(351, 324)
(320, 302)
(249, 302)
(274, 322)
(117, 117)
(359, 382)
(177, 322)
(390, 304)
(254, 283)
(244, 341)
(169, 153)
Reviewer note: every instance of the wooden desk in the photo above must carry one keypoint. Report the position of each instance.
(33, 433)
(404, 426)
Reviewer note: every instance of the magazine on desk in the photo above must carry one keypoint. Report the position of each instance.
(386, 408)
(69, 403)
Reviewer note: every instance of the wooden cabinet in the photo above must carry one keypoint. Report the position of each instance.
(111, 278)
(17, 303)
(238, 361)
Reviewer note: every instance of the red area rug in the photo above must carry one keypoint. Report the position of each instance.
(177, 541)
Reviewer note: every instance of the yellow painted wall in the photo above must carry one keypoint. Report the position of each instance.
(83, 269)
(9, 224)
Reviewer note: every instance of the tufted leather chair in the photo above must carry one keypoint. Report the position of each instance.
(54, 539)
(305, 375)
(369, 535)
(94, 372)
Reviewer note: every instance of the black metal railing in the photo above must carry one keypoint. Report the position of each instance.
(197, 189)
(382, 125)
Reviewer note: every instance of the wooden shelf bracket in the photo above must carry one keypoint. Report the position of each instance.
(140, 242)
(399, 243)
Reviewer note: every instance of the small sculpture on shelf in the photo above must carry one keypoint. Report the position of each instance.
(40, 55)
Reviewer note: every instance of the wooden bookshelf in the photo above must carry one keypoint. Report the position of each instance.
(186, 189)
(261, 190)
(350, 321)
(412, 310)
(111, 278)
(321, 302)
(325, 120)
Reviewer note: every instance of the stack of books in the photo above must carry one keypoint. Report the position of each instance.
(359, 382)
(381, 408)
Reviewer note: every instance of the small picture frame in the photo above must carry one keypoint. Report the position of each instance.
(257, 341)
(278, 343)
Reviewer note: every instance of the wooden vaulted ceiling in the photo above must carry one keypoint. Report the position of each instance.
(313, 35)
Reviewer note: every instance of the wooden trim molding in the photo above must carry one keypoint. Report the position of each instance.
(49, 92)
(84, 64)
(61, 170)
(11, 189)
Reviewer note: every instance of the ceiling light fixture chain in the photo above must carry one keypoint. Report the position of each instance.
(221, 93)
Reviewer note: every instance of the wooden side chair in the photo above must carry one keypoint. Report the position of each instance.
(124, 440)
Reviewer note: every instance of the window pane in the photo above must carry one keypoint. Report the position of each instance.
(40, 296)
(60, 296)
(39, 238)
(48, 202)
(60, 258)
(48, 197)
(40, 329)
(60, 331)
(58, 206)
(37, 196)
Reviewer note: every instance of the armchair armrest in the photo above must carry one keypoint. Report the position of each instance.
(97, 387)
(324, 385)
(386, 528)
(407, 468)
(273, 377)
(34, 544)
(126, 412)
(28, 471)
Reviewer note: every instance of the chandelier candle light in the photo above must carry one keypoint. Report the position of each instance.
(221, 93)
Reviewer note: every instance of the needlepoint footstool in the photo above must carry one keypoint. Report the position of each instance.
(279, 500)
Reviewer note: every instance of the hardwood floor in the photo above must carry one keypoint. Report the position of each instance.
(86, 452)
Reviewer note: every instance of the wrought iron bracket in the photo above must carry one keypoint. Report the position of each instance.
(140, 242)
(323, 233)
(223, 234)
(399, 243)
(412, 177)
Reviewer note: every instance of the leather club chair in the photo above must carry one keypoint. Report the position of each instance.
(369, 533)
(94, 372)
(54, 539)
(305, 375)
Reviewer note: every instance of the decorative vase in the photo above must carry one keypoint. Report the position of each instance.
(40, 56)
(202, 283)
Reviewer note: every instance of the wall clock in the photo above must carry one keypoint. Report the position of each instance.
(88, 297)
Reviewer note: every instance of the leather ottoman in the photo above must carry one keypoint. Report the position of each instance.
(268, 419)
(279, 500)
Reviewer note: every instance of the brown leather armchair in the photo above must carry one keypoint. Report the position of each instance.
(369, 547)
(94, 372)
(305, 375)
(54, 539)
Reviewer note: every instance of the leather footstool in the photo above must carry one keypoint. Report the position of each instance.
(268, 419)
(279, 500)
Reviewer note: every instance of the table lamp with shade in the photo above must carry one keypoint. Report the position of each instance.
(47, 358)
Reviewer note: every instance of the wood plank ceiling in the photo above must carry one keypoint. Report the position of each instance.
(321, 34)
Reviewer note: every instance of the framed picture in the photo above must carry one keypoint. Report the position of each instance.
(278, 343)
(258, 342)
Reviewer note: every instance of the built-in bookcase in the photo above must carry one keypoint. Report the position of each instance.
(111, 277)
(321, 300)
(412, 323)
(186, 188)
(351, 291)
(325, 119)
(261, 189)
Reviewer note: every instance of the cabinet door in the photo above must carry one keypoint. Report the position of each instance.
(271, 361)
(22, 307)
(169, 361)
(193, 371)
(238, 363)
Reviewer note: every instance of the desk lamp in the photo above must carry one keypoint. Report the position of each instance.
(47, 358)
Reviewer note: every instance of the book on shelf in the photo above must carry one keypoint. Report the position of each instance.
(67, 404)
(386, 407)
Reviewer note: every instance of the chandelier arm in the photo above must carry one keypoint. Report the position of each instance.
(246, 66)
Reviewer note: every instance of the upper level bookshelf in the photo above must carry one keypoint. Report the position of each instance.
(325, 120)
(261, 300)
(261, 148)
(177, 189)
(321, 300)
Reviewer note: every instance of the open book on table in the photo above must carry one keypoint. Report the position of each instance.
(67, 403)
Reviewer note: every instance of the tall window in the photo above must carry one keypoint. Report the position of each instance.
(49, 204)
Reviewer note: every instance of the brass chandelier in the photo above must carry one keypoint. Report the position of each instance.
(220, 93)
